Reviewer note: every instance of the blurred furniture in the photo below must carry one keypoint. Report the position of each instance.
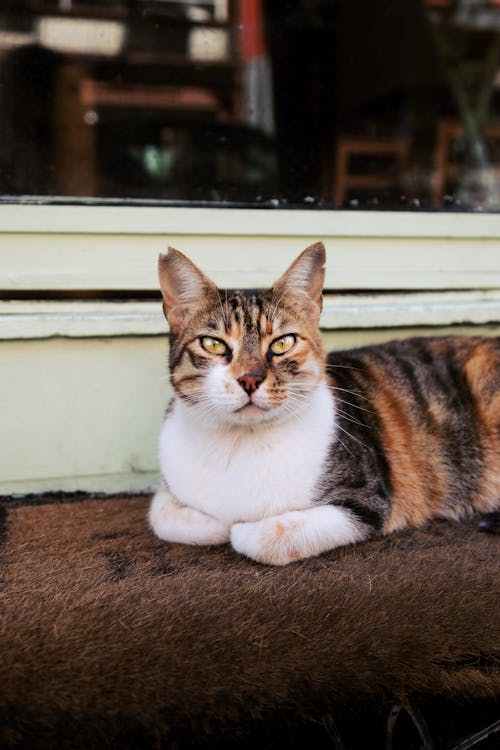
(116, 66)
(447, 157)
(368, 163)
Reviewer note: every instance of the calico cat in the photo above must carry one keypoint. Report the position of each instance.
(286, 452)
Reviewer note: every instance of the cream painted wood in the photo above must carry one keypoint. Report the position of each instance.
(51, 262)
(84, 414)
(351, 311)
(45, 319)
(144, 483)
(81, 413)
(82, 247)
(160, 220)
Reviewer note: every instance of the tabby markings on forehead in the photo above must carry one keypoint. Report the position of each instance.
(214, 324)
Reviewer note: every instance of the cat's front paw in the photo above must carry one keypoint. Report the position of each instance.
(279, 540)
(174, 522)
(270, 541)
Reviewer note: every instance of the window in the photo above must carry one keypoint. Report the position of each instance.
(305, 103)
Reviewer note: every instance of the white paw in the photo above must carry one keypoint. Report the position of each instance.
(174, 522)
(272, 541)
(245, 539)
(279, 540)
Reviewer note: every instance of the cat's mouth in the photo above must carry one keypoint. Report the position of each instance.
(250, 407)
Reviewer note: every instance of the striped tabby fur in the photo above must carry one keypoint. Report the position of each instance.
(286, 452)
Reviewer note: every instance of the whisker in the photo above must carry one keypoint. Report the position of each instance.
(228, 319)
(301, 388)
(299, 393)
(344, 367)
(202, 408)
(277, 302)
(307, 389)
(305, 386)
(354, 406)
(287, 407)
(350, 419)
(223, 309)
(301, 403)
(347, 390)
(353, 437)
(345, 446)
(294, 402)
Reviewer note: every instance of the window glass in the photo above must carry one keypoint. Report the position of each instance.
(310, 103)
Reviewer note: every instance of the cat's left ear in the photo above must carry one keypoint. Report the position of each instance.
(183, 286)
(304, 279)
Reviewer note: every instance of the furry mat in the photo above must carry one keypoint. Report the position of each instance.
(111, 638)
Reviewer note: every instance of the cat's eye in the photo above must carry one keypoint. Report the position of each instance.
(283, 344)
(214, 346)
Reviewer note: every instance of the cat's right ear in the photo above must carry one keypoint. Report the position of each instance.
(183, 287)
(304, 279)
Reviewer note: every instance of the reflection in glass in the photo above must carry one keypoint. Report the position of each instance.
(309, 103)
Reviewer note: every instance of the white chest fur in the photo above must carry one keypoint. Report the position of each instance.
(239, 475)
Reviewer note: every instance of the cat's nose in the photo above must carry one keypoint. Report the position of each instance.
(250, 381)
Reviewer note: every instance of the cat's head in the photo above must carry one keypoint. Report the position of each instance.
(244, 358)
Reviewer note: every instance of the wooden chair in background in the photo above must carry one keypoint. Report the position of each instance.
(392, 154)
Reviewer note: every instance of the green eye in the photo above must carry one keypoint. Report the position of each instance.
(214, 346)
(283, 344)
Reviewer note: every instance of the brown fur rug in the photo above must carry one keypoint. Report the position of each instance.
(111, 638)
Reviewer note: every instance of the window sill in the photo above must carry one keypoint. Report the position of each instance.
(150, 220)
(41, 320)
(116, 248)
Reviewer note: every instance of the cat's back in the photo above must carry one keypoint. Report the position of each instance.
(425, 365)
(430, 409)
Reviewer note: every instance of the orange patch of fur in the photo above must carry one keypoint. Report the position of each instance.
(482, 373)
(276, 537)
(414, 459)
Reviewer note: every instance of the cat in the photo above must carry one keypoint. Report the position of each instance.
(285, 452)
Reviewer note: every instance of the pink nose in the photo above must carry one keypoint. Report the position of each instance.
(250, 381)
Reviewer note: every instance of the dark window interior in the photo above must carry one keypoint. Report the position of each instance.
(304, 103)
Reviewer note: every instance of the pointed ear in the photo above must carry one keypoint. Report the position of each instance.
(304, 279)
(183, 287)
